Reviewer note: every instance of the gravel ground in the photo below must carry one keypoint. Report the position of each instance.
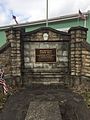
(71, 105)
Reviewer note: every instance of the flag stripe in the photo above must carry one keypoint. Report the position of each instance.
(5, 87)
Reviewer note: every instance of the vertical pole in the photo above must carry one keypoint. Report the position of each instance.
(85, 22)
(46, 13)
(78, 21)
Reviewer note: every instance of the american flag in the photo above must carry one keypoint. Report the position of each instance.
(5, 86)
(3, 82)
(81, 15)
(14, 17)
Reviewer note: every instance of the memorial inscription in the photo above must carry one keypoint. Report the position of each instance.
(45, 55)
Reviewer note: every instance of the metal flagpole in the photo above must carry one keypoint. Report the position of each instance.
(85, 22)
(46, 13)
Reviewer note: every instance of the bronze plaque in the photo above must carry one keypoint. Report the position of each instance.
(45, 55)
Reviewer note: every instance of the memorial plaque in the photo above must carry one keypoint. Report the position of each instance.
(45, 55)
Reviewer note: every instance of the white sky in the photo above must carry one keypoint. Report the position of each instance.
(32, 10)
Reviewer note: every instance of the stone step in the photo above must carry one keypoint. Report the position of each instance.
(46, 75)
(45, 81)
(43, 110)
(58, 70)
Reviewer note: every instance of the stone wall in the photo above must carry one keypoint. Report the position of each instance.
(80, 56)
(10, 56)
(5, 59)
(72, 64)
(46, 72)
(86, 63)
(14, 37)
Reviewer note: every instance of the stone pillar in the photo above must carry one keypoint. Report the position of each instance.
(78, 35)
(13, 36)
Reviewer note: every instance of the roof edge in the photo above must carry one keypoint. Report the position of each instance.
(55, 19)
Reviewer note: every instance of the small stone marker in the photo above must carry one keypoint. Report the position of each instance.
(43, 110)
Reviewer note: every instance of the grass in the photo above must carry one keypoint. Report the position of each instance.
(86, 96)
(84, 92)
(3, 99)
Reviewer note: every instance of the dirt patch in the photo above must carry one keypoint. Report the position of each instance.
(71, 105)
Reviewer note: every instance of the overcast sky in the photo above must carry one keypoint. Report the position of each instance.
(32, 10)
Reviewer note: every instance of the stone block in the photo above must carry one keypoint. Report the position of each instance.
(45, 110)
(28, 65)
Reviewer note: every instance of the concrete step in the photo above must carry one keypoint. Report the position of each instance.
(43, 110)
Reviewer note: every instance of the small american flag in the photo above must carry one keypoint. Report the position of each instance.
(81, 15)
(14, 17)
(5, 86)
(3, 82)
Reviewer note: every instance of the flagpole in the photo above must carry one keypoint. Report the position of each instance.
(78, 21)
(83, 17)
(46, 13)
(85, 22)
